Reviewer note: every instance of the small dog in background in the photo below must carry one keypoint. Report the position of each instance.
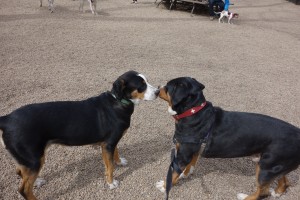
(227, 14)
(93, 4)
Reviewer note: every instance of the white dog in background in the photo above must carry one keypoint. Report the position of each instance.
(93, 4)
(227, 14)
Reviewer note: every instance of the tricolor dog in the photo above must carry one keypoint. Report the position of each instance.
(202, 130)
(227, 14)
(100, 120)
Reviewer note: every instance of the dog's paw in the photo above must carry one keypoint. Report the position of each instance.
(39, 182)
(123, 162)
(274, 194)
(182, 175)
(161, 186)
(241, 196)
(113, 185)
(256, 158)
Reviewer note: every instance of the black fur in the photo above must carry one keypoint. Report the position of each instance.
(233, 134)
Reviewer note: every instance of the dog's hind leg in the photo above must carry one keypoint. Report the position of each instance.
(263, 188)
(283, 184)
(28, 178)
(39, 182)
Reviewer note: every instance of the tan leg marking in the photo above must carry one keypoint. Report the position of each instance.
(262, 190)
(187, 170)
(28, 179)
(117, 156)
(283, 184)
(175, 178)
(108, 162)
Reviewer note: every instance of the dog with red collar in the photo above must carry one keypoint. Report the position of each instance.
(228, 15)
(202, 130)
(101, 120)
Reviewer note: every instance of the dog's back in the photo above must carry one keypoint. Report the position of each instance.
(250, 133)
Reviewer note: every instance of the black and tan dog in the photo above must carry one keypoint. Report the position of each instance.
(228, 135)
(103, 120)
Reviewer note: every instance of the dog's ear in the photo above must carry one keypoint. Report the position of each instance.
(118, 87)
(196, 86)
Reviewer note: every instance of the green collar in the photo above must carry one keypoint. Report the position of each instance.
(123, 101)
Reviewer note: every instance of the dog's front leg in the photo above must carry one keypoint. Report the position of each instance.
(229, 20)
(107, 155)
(189, 169)
(119, 160)
(161, 185)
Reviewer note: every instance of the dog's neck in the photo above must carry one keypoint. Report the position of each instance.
(190, 112)
(123, 101)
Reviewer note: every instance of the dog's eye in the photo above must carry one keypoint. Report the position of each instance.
(142, 88)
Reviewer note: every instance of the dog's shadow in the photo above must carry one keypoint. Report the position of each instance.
(242, 167)
(91, 169)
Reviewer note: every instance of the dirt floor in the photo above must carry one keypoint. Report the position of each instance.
(253, 65)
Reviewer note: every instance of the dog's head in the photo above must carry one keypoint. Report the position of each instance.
(235, 15)
(181, 94)
(134, 86)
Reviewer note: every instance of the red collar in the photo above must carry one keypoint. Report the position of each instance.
(190, 112)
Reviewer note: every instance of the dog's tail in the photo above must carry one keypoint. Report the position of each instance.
(2, 127)
(217, 13)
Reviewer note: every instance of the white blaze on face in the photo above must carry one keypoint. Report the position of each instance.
(150, 90)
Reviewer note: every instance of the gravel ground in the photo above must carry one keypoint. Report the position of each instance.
(251, 66)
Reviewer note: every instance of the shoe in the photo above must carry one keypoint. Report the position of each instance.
(211, 18)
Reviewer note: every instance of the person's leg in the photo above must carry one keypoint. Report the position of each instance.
(227, 3)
